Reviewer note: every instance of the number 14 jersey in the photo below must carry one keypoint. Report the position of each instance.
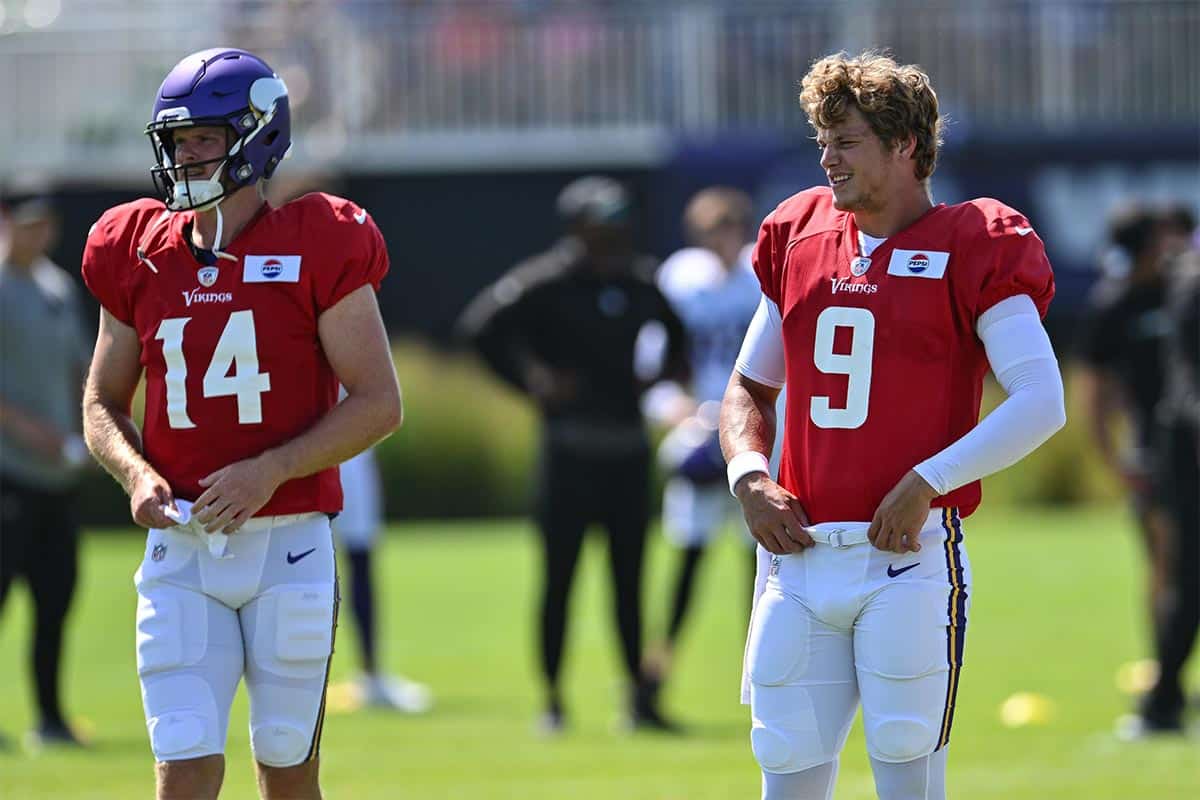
(231, 352)
(884, 367)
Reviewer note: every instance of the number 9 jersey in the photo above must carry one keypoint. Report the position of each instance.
(884, 367)
(232, 356)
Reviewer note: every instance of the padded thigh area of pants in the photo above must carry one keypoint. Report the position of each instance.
(802, 686)
(293, 630)
(172, 627)
(778, 651)
(187, 705)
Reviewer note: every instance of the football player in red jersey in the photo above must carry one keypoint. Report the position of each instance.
(244, 319)
(882, 312)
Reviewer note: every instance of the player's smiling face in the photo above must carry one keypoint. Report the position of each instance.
(197, 145)
(860, 168)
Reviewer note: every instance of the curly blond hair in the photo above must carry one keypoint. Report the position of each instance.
(897, 100)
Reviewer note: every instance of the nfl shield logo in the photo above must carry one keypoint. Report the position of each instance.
(159, 552)
(859, 266)
(207, 276)
(776, 563)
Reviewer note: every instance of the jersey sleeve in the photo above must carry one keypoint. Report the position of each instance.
(105, 257)
(1011, 260)
(764, 258)
(361, 259)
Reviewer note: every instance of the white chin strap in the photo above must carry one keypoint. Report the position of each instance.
(217, 251)
(200, 191)
(197, 195)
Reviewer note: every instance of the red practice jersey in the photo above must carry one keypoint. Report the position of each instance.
(884, 367)
(231, 353)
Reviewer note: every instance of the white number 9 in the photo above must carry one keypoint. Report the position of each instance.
(855, 365)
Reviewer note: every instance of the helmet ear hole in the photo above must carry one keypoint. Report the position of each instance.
(271, 137)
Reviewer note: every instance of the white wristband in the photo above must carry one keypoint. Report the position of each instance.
(743, 464)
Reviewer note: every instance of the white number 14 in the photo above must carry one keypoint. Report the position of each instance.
(237, 349)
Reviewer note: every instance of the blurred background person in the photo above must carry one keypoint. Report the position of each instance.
(1177, 431)
(357, 529)
(1121, 374)
(713, 289)
(43, 359)
(583, 331)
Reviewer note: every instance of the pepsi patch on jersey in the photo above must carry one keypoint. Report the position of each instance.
(918, 263)
(271, 269)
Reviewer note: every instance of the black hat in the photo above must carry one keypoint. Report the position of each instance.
(24, 207)
(594, 200)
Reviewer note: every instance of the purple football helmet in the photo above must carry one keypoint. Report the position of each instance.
(219, 87)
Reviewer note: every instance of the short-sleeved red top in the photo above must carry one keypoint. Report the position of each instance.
(231, 351)
(884, 367)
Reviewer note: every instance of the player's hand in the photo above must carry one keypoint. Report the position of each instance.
(899, 519)
(235, 493)
(149, 496)
(773, 515)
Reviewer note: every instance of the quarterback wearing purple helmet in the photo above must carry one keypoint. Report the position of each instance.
(244, 319)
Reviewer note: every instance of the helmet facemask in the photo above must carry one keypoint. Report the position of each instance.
(175, 186)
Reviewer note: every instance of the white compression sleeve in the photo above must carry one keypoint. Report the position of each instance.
(1023, 361)
(761, 357)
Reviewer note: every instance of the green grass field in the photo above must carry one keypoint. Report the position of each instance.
(1056, 611)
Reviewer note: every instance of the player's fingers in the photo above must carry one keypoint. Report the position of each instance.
(883, 539)
(238, 522)
(781, 541)
(873, 531)
(221, 520)
(767, 540)
(798, 511)
(213, 510)
(799, 533)
(791, 535)
(211, 478)
(150, 515)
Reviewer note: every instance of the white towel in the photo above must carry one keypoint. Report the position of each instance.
(182, 514)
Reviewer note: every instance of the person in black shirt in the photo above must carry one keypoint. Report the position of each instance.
(1178, 431)
(1121, 375)
(582, 329)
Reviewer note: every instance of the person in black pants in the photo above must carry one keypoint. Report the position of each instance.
(1121, 375)
(43, 357)
(1162, 708)
(582, 329)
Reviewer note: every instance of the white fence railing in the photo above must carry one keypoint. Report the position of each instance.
(422, 85)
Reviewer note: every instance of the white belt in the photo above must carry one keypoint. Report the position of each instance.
(848, 534)
(838, 534)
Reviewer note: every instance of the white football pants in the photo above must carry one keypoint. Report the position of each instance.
(264, 609)
(834, 625)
